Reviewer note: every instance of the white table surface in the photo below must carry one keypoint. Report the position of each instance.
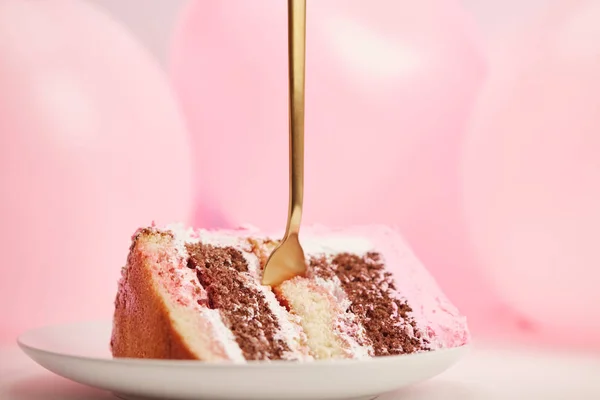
(487, 373)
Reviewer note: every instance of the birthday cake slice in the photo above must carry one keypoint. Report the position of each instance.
(188, 294)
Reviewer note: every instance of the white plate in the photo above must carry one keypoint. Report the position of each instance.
(80, 352)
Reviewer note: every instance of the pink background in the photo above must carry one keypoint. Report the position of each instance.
(474, 128)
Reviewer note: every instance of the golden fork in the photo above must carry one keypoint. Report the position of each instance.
(287, 260)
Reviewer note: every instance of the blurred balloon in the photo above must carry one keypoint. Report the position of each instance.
(92, 146)
(532, 172)
(496, 17)
(389, 86)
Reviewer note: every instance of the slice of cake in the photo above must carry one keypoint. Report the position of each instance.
(188, 294)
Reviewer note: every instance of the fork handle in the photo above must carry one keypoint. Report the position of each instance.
(296, 65)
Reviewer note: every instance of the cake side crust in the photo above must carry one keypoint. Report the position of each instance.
(148, 321)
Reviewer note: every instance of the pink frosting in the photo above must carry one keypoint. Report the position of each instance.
(433, 312)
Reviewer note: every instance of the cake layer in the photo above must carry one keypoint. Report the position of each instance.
(385, 318)
(364, 295)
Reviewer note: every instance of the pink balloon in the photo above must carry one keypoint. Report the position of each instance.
(389, 85)
(92, 146)
(532, 173)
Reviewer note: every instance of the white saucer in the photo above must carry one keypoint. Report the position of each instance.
(80, 352)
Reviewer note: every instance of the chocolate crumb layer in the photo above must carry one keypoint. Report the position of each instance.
(244, 309)
(367, 286)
